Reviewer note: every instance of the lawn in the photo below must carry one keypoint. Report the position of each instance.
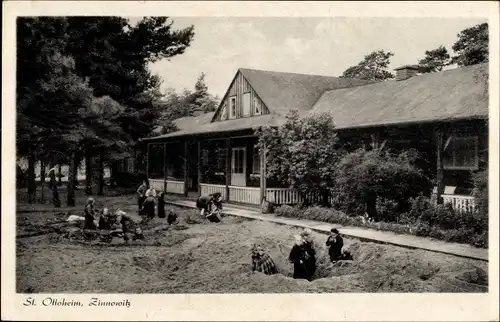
(203, 257)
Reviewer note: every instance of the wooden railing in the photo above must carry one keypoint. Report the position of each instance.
(208, 189)
(287, 196)
(173, 186)
(460, 203)
(248, 195)
(283, 196)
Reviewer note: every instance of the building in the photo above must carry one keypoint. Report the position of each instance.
(443, 115)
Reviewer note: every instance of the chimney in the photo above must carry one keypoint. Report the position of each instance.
(407, 71)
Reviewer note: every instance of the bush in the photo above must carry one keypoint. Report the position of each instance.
(378, 183)
(424, 219)
(287, 211)
(480, 191)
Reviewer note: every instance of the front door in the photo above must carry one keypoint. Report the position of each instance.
(238, 167)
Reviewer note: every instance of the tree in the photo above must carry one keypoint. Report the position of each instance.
(472, 46)
(435, 60)
(378, 183)
(302, 153)
(114, 56)
(65, 65)
(189, 103)
(374, 67)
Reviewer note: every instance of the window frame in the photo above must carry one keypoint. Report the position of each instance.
(257, 102)
(232, 107)
(249, 104)
(453, 152)
(256, 161)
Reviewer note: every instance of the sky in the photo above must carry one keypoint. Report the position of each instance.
(323, 46)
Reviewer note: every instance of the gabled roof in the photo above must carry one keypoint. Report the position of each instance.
(282, 92)
(460, 93)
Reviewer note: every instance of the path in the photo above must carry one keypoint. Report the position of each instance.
(364, 234)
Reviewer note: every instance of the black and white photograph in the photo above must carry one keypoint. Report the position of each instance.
(168, 154)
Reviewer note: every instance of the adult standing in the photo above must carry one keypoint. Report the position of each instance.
(53, 186)
(309, 253)
(141, 192)
(298, 259)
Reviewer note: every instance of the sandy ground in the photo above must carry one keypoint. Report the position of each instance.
(196, 256)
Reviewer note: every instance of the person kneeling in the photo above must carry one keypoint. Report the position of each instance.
(213, 216)
(262, 262)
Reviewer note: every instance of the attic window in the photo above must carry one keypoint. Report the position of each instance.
(232, 107)
(257, 107)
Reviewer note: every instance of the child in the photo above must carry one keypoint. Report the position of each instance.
(336, 242)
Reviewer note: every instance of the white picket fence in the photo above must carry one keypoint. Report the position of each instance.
(176, 187)
(460, 203)
(208, 189)
(249, 195)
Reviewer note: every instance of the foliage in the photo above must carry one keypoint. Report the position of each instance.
(435, 60)
(480, 191)
(83, 84)
(472, 46)
(374, 67)
(302, 152)
(189, 103)
(363, 176)
(460, 234)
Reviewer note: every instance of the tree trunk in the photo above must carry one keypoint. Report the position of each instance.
(72, 180)
(100, 192)
(88, 173)
(60, 174)
(53, 186)
(31, 178)
(42, 181)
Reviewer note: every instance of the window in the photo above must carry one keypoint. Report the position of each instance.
(257, 109)
(204, 157)
(238, 162)
(246, 104)
(223, 114)
(256, 161)
(232, 107)
(461, 153)
(130, 165)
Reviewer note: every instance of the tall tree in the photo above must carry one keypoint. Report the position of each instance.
(435, 60)
(472, 45)
(114, 55)
(374, 67)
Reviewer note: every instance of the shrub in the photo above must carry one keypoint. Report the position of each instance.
(363, 177)
(287, 211)
(480, 191)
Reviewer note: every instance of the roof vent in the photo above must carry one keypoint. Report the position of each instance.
(407, 71)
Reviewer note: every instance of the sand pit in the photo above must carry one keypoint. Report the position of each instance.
(201, 257)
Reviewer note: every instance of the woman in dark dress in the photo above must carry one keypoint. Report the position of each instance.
(297, 257)
(309, 253)
(161, 205)
(149, 207)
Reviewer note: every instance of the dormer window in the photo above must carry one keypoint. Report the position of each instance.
(257, 109)
(232, 107)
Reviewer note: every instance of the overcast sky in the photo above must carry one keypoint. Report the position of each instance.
(324, 46)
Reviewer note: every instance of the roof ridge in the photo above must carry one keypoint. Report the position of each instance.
(290, 73)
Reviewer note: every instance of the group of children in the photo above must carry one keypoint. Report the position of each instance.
(117, 223)
(302, 255)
